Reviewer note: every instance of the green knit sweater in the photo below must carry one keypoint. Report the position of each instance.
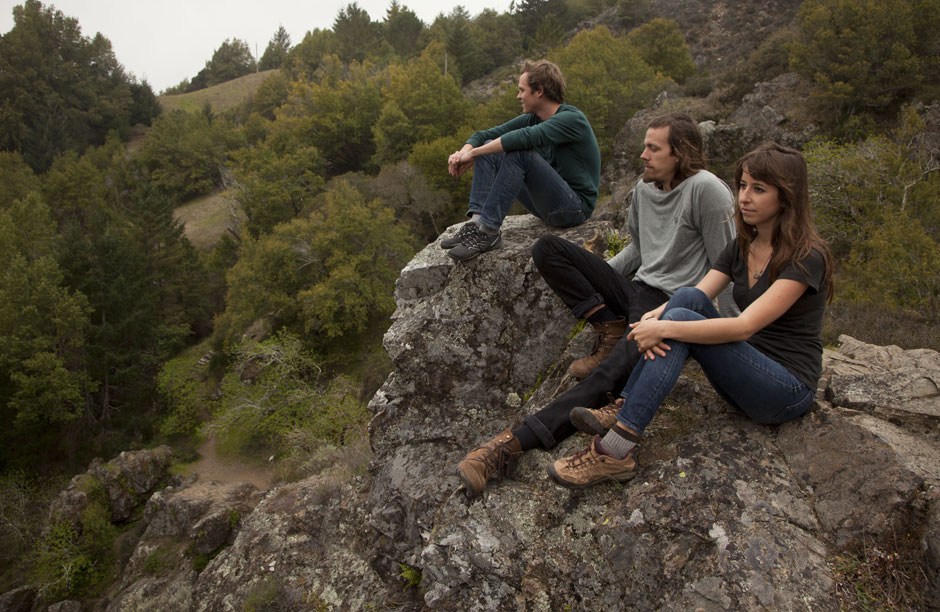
(565, 140)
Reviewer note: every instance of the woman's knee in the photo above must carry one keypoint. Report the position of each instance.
(680, 313)
(688, 297)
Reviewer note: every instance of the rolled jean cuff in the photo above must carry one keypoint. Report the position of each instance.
(585, 307)
(630, 425)
(541, 432)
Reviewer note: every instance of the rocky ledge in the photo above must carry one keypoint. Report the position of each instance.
(724, 514)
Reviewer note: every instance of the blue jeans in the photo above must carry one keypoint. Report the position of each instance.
(754, 383)
(502, 178)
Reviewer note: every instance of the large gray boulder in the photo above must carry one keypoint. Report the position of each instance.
(125, 482)
(469, 342)
(724, 514)
(185, 526)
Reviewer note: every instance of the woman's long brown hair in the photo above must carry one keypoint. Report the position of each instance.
(794, 235)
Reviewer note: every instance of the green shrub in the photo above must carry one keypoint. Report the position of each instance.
(285, 395)
(866, 56)
(160, 561)
(76, 560)
(662, 45)
(24, 502)
(877, 203)
(608, 80)
(182, 393)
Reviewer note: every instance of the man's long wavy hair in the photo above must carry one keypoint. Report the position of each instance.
(547, 76)
(685, 141)
(794, 235)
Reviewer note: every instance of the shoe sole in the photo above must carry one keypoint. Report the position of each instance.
(621, 477)
(578, 376)
(496, 244)
(471, 492)
(447, 247)
(586, 422)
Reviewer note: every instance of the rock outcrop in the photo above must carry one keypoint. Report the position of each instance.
(125, 483)
(713, 30)
(724, 514)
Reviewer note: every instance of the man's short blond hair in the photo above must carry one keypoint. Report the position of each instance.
(546, 76)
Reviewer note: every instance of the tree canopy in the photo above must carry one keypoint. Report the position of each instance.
(867, 56)
(275, 54)
(60, 90)
(321, 276)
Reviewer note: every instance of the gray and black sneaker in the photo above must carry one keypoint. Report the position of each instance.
(475, 242)
(465, 229)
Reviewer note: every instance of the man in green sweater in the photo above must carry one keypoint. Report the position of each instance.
(547, 158)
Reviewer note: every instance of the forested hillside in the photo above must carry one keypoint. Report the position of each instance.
(116, 333)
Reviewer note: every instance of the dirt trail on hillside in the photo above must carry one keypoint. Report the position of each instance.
(211, 466)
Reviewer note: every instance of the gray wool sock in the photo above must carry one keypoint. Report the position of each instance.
(616, 444)
(475, 217)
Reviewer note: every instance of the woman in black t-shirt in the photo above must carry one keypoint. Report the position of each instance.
(767, 361)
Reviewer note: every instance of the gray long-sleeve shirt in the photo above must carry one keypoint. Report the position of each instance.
(676, 236)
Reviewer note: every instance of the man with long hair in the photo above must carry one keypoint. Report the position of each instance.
(680, 220)
(547, 158)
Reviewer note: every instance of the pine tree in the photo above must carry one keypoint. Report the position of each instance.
(60, 90)
(276, 52)
(402, 29)
(356, 35)
(43, 327)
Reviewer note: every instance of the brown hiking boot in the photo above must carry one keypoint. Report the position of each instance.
(608, 335)
(596, 421)
(590, 466)
(497, 458)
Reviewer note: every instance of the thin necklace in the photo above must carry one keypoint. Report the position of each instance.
(757, 275)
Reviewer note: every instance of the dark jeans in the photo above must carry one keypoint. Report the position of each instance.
(502, 178)
(583, 280)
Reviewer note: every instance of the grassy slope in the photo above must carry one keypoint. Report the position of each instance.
(207, 217)
(221, 96)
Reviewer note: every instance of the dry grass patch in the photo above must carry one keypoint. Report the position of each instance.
(888, 576)
(221, 97)
(207, 218)
(882, 326)
(306, 455)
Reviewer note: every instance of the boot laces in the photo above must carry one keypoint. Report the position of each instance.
(583, 457)
(499, 461)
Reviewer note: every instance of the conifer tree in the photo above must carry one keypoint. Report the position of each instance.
(356, 34)
(43, 327)
(402, 30)
(60, 90)
(276, 52)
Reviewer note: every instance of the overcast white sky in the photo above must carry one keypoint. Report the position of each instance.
(166, 41)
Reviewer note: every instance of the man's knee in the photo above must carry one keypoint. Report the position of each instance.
(545, 248)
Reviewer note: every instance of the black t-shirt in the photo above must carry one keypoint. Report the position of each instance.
(793, 339)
